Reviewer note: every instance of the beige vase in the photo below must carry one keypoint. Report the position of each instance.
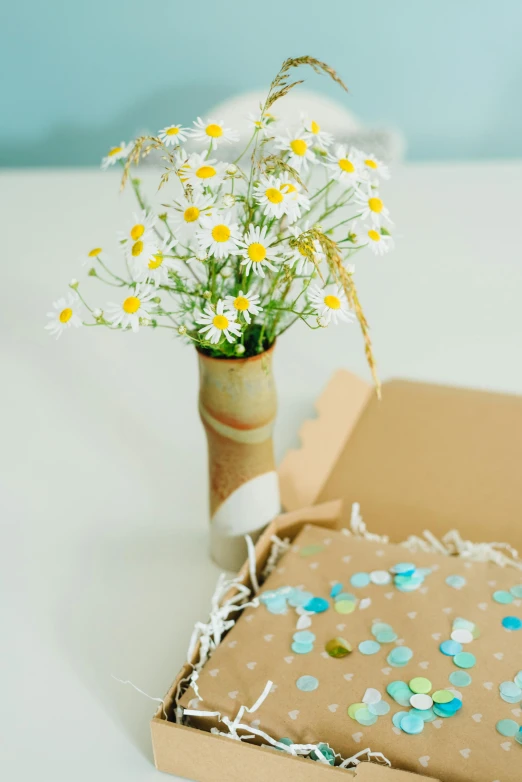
(237, 405)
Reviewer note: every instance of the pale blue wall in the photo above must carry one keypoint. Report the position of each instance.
(80, 75)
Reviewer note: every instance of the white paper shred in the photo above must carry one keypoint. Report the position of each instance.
(279, 547)
(304, 750)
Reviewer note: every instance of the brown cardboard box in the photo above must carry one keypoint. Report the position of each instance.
(424, 457)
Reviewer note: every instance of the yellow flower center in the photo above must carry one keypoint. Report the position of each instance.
(137, 248)
(65, 315)
(137, 231)
(346, 165)
(221, 233)
(374, 235)
(114, 151)
(156, 261)
(172, 132)
(314, 127)
(288, 188)
(214, 131)
(241, 303)
(258, 123)
(206, 172)
(256, 252)
(370, 163)
(96, 251)
(220, 322)
(191, 214)
(274, 196)
(299, 147)
(332, 302)
(302, 252)
(131, 305)
(375, 204)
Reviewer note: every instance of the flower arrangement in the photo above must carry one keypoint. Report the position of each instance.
(240, 251)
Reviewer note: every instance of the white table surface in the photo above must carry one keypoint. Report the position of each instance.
(103, 477)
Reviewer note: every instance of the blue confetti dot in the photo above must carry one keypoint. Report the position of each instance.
(450, 648)
(302, 648)
(512, 623)
(307, 683)
(336, 589)
(397, 717)
(317, 605)
(379, 709)
(369, 647)
(386, 636)
(412, 724)
(460, 678)
(360, 579)
(457, 582)
(304, 637)
(400, 656)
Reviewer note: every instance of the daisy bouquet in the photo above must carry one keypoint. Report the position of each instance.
(241, 250)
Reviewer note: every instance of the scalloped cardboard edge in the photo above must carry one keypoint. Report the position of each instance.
(196, 754)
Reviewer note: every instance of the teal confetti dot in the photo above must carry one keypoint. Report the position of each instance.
(302, 648)
(307, 683)
(511, 690)
(403, 568)
(457, 582)
(518, 736)
(364, 717)
(304, 637)
(460, 678)
(512, 623)
(426, 715)
(381, 627)
(450, 648)
(379, 709)
(369, 647)
(400, 656)
(386, 636)
(397, 717)
(518, 679)
(317, 605)
(516, 591)
(286, 741)
(507, 728)
(412, 724)
(464, 660)
(336, 589)
(360, 580)
(299, 598)
(503, 597)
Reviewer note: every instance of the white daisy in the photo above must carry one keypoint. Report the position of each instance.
(299, 148)
(257, 251)
(219, 234)
(330, 304)
(188, 213)
(138, 239)
(261, 123)
(268, 194)
(131, 309)
(213, 132)
(156, 267)
(173, 135)
(380, 243)
(199, 172)
(345, 166)
(218, 322)
(319, 137)
(246, 304)
(374, 168)
(371, 206)
(116, 153)
(295, 200)
(64, 315)
(298, 258)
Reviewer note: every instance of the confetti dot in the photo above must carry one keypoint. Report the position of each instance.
(420, 685)
(354, 708)
(464, 660)
(512, 623)
(317, 605)
(380, 577)
(400, 656)
(403, 568)
(309, 551)
(365, 717)
(442, 696)
(397, 717)
(450, 648)
(518, 679)
(426, 715)
(302, 648)
(507, 728)
(336, 589)
(299, 598)
(371, 696)
(307, 683)
(346, 596)
(369, 647)
(386, 636)
(338, 648)
(360, 579)
(344, 606)
(379, 627)
(379, 709)
(412, 724)
(463, 624)
(511, 690)
(516, 590)
(457, 582)
(502, 597)
(421, 701)
(462, 636)
(460, 678)
(304, 637)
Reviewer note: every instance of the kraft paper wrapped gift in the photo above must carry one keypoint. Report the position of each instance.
(463, 748)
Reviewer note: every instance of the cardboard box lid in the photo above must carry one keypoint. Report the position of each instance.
(424, 457)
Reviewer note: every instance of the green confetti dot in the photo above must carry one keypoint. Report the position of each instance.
(465, 660)
(507, 728)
